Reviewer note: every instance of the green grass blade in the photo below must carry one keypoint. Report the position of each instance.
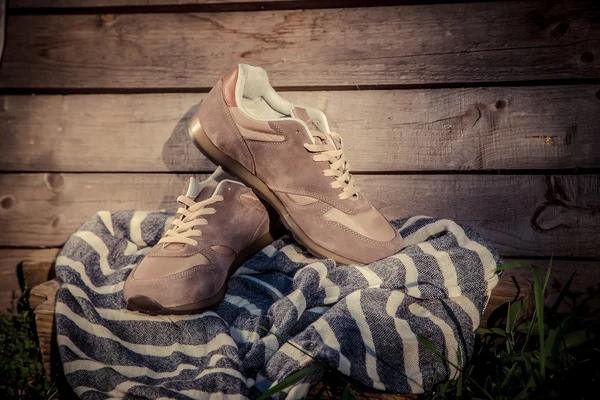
(430, 346)
(539, 311)
(498, 331)
(459, 384)
(516, 311)
(508, 374)
(512, 265)
(547, 278)
(550, 343)
(575, 339)
(529, 330)
(347, 395)
(525, 327)
(562, 294)
(508, 328)
(290, 381)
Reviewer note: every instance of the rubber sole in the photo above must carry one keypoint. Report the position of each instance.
(210, 151)
(147, 305)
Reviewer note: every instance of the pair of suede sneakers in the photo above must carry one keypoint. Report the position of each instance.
(287, 155)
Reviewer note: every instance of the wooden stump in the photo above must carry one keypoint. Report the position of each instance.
(43, 300)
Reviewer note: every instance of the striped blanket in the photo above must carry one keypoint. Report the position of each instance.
(360, 320)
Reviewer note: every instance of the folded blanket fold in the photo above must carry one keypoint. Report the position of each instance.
(361, 320)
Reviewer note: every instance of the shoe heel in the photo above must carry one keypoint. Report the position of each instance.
(205, 145)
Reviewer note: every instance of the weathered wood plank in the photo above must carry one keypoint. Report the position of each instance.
(398, 130)
(423, 44)
(197, 5)
(128, 3)
(10, 290)
(24, 4)
(2, 26)
(521, 214)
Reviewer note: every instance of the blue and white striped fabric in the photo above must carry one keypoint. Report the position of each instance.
(362, 320)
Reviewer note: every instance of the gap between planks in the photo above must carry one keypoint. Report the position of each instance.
(346, 88)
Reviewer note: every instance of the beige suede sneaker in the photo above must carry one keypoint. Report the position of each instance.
(220, 223)
(289, 156)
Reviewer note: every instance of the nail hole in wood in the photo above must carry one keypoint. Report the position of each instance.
(54, 182)
(500, 104)
(587, 57)
(106, 19)
(7, 202)
(559, 30)
(55, 221)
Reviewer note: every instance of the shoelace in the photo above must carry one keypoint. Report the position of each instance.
(183, 228)
(338, 166)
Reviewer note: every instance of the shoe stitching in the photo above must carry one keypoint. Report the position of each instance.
(160, 255)
(181, 274)
(249, 204)
(255, 207)
(257, 228)
(276, 127)
(239, 136)
(364, 238)
(323, 198)
(334, 223)
(294, 204)
(200, 249)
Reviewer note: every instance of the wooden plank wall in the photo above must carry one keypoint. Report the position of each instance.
(487, 113)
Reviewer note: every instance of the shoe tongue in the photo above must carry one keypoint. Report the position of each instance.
(199, 191)
(302, 114)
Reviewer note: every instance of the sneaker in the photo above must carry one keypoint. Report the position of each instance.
(289, 156)
(220, 223)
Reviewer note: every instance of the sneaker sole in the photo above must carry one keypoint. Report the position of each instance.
(147, 305)
(210, 151)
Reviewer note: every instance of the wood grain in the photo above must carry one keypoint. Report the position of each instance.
(10, 259)
(386, 130)
(2, 26)
(43, 299)
(521, 214)
(25, 6)
(348, 47)
(49, 4)
(37, 272)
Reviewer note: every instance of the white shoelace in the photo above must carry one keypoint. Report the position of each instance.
(182, 229)
(338, 166)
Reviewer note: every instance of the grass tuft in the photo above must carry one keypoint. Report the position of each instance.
(21, 370)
